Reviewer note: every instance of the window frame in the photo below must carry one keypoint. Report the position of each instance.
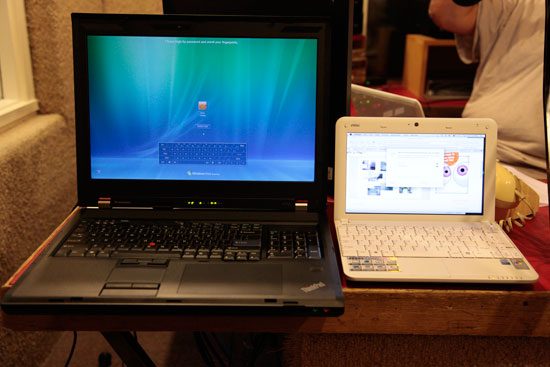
(18, 99)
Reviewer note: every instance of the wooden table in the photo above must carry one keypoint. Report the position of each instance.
(385, 310)
(373, 308)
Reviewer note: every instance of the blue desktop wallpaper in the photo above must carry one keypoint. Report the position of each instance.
(149, 90)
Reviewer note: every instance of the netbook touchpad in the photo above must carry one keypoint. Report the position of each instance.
(231, 279)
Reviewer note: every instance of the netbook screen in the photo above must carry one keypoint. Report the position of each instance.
(414, 173)
(177, 108)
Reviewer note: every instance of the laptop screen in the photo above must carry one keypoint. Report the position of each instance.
(398, 173)
(202, 108)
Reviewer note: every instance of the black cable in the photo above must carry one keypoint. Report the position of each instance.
(231, 346)
(134, 334)
(212, 349)
(277, 343)
(72, 350)
(202, 350)
(258, 341)
(104, 359)
(221, 345)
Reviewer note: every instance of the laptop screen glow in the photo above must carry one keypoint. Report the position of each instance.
(181, 108)
(414, 173)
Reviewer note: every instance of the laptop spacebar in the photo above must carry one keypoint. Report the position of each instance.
(146, 254)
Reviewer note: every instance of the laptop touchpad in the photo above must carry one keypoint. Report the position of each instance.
(232, 279)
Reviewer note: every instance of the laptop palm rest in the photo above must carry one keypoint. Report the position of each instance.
(136, 275)
(222, 279)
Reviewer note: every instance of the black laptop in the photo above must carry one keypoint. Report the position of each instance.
(201, 157)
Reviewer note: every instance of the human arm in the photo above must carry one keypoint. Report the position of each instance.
(454, 18)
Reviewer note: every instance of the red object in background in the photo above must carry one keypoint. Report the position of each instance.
(353, 111)
(533, 241)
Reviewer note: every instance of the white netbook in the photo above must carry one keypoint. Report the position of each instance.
(415, 201)
(374, 102)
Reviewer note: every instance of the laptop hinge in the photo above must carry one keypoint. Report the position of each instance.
(301, 206)
(104, 203)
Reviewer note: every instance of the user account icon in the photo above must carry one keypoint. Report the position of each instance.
(202, 105)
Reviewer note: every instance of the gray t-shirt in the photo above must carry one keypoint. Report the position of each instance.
(508, 43)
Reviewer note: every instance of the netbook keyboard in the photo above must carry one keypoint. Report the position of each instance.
(190, 240)
(203, 153)
(379, 247)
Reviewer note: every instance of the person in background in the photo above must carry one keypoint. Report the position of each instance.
(506, 37)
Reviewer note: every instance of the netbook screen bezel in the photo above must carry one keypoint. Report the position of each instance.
(346, 125)
(178, 192)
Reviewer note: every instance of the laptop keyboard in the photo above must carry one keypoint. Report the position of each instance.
(202, 153)
(190, 240)
(378, 248)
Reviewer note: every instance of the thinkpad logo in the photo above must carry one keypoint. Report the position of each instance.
(313, 287)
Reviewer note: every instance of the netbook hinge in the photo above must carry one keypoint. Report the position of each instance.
(342, 221)
(301, 206)
(104, 203)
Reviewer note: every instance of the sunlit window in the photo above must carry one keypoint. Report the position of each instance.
(16, 84)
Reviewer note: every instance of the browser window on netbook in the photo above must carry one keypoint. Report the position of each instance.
(415, 173)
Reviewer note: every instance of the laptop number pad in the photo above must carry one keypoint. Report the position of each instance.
(293, 245)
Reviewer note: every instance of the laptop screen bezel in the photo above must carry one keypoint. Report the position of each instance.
(178, 192)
